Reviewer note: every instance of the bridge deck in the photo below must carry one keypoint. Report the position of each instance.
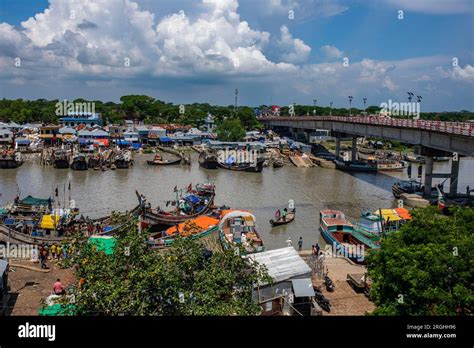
(458, 128)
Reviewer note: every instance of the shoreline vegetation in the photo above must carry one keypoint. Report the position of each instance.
(151, 110)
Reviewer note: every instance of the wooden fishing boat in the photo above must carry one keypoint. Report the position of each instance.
(197, 202)
(123, 160)
(414, 159)
(79, 162)
(200, 227)
(10, 159)
(382, 222)
(237, 229)
(289, 218)
(208, 160)
(408, 186)
(61, 159)
(94, 161)
(244, 167)
(355, 166)
(389, 165)
(340, 234)
(159, 161)
(278, 163)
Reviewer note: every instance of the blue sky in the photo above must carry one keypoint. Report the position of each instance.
(202, 53)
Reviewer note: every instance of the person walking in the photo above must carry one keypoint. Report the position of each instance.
(58, 252)
(317, 247)
(300, 244)
(53, 251)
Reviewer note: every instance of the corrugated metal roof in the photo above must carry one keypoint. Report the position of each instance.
(303, 287)
(282, 264)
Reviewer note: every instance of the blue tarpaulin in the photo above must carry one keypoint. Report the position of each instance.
(165, 140)
(122, 142)
(192, 199)
(136, 145)
(23, 141)
(83, 141)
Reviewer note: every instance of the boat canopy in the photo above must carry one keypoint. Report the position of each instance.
(388, 214)
(236, 213)
(49, 222)
(30, 200)
(404, 213)
(202, 222)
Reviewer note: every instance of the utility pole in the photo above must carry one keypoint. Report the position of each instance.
(330, 108)
(235, 102)
(314, 103)
(365, 102)
(350, 105)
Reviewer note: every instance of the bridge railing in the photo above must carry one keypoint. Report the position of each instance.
(461, 128)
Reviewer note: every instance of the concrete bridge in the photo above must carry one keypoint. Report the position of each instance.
(433, 138)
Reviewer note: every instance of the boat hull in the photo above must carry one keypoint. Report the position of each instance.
(244, 167)
(79, 165)
(9, 164)
(153, 163)
(61, 164)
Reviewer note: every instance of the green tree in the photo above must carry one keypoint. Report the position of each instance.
(230, 129)
(427, 267)
(182, 280)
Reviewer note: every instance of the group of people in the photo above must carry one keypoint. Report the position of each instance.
(57, 252)
(281, 214)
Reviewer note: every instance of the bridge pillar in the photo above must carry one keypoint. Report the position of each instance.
(338, 146)
(453, 182)
(354, 149)
(428, 175)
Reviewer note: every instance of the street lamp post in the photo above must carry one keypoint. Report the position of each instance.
(330, 108)
(365, 102)
(314, 103)
(350, 105)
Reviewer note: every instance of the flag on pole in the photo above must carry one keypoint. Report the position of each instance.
(441, 201)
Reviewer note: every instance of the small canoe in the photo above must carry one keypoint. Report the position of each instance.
(163, 162)
(289, 218)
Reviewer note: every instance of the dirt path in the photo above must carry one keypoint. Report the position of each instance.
(28, 288)
(344, 300)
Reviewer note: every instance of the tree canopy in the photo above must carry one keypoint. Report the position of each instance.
(231, 129)
(427, 267)
(183, 280)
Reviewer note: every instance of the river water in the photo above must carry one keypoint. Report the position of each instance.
(97, 193)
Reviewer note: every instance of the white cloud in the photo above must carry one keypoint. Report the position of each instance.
(458, 73)
(293, 50)
(438, 7)
(331, 51)
(303, 9)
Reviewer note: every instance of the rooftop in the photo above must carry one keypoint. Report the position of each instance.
(282, 264)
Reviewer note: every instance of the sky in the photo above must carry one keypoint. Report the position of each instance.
(275, 52)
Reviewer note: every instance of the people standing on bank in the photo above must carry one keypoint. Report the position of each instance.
(300, 244)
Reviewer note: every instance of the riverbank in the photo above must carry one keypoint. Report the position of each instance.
(29, 285)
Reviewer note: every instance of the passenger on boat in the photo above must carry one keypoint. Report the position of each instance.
(283, 214)
(277, 214)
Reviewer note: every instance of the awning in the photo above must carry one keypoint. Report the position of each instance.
(101, 142)
(122, 142)
(83, 141)
(303, 287)
(165, 140)
(403, 213)
(22, 141)
(388, 214)
(49, 222)
(58, 310)
(30, 200)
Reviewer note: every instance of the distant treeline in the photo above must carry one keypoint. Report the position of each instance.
(150, 110)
